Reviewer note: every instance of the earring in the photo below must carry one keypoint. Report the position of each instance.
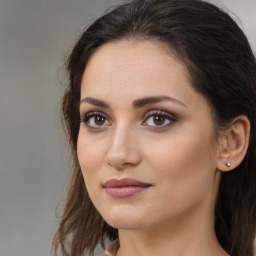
(228, 164)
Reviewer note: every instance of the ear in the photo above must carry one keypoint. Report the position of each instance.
(233, 144)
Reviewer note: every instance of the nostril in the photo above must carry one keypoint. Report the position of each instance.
(117, 165)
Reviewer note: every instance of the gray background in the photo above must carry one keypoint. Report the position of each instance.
(35, 37)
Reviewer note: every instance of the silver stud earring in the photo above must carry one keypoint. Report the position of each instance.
(228, 164)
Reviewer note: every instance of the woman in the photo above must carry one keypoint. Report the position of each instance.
(160, 115)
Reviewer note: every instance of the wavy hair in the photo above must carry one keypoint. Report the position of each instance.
(221, 67)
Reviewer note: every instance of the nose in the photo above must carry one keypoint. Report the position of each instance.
(123, 151)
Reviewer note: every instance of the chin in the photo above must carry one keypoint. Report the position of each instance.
(124, 218)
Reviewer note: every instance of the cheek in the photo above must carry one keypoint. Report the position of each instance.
(183, 151)
(90, 156)
(185, 167)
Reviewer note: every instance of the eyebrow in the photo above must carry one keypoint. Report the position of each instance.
(155, 99)
(96, 102)
(139, 103)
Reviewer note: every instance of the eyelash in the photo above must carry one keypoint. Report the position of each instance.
(86, 118)
(171, 118)
(160, 113)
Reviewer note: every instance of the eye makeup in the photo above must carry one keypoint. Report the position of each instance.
(95, 120)
(154, 119)
(159, 119)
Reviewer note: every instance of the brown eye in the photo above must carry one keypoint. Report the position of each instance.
(95, 120)
(158, 120)
(99, 120)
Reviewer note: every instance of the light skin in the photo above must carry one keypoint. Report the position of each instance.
(142, 119)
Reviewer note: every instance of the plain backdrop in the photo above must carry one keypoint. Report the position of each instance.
(35, 38)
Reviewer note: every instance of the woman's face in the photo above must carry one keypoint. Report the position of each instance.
(146, 145)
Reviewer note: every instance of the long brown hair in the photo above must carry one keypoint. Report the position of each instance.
(222, 67)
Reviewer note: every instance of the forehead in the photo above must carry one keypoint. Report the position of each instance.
(133, 63)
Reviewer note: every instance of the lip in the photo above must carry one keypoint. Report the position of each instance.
(126, 187)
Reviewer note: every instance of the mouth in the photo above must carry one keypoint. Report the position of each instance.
(126, 187)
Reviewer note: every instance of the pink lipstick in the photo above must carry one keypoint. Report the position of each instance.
(125, 187)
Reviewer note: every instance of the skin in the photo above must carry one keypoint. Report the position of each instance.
(178, 158)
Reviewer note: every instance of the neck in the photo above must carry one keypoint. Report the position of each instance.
(186, 237)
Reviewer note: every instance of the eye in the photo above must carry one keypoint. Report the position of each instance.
(95, 120)
(158, 119)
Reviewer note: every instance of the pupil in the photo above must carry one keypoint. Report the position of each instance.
(158, 120)
(99, 120)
